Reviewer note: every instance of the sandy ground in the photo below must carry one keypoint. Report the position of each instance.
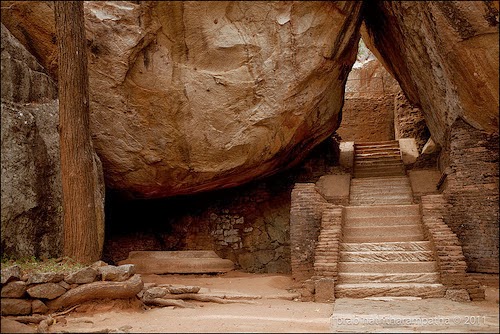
(273, 309)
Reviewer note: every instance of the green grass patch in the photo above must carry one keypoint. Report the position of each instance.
(34, 265)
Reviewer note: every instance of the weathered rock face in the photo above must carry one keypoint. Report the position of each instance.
(444, 55)
(31, 197)
(193, 96)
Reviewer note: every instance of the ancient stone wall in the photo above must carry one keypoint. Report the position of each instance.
(25, 293)
(471, 187)
(368, 111)
(367, 119)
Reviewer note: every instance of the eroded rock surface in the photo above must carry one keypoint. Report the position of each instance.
(31, 196)
(444, 55)
(193, 96)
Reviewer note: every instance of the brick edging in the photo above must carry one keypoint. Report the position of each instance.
(450, 258)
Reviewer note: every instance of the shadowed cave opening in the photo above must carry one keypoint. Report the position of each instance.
(248, 224)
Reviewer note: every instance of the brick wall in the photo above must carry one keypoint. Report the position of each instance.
(471, 187)
(305, 221)
(450, 258)
(367, 118)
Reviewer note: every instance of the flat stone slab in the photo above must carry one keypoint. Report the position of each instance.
(424, 182)
(334, 186)
(178, 262)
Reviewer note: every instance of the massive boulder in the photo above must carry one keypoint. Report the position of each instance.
(444, 55)
(194, 96)
(31, 199)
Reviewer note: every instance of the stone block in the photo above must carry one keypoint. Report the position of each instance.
(334, 187)
(46, 291)
(11, 306)
(409, 150)
(346, 158)
(155, 292)
(324, 290)
(457, 295)
(424, 182)
(15, 289)
(12, 273)
(37, 306)
(38, 278)
(117, 273)
(82, 276)
(178, 262)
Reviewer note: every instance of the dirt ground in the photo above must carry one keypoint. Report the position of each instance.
(272, 307)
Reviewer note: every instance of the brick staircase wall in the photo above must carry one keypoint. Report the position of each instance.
(306, 211)
(472, 188)
(445, 243)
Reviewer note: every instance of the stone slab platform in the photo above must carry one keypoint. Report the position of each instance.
(178, 262)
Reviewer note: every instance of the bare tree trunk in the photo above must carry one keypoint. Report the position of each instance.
(78, 173)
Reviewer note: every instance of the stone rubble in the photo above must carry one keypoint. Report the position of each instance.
(27, 293)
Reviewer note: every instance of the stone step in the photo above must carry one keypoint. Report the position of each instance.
(387, 267)
(380, 188)
(382, 166)
(388, 278)
(376, 231)
(376, 161)
(379, 168)
(364, 202)
(382, 211)
(363, 290)
(385, 179)
(382, 221)
(382, 197)
(375, 155)
(387, 256)
(367, 184)
(387, 149)
(384, 238)
(178, 262)
(375, 174)
(386, 246)
(377, 165)
(380, 142)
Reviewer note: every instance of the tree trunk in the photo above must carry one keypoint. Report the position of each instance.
(78, 173)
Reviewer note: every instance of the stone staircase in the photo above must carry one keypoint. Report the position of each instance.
(378, 159)
(383, 251)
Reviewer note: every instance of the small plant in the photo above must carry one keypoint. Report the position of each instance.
(32, 264)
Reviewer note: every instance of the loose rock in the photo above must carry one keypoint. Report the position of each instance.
(37, 306)
(117, 273)
(457, 295)
(12, 273)
(82, 276)
(15, 289)
(37, 278)
(156, 292)
(11, 306)
(46, 290)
